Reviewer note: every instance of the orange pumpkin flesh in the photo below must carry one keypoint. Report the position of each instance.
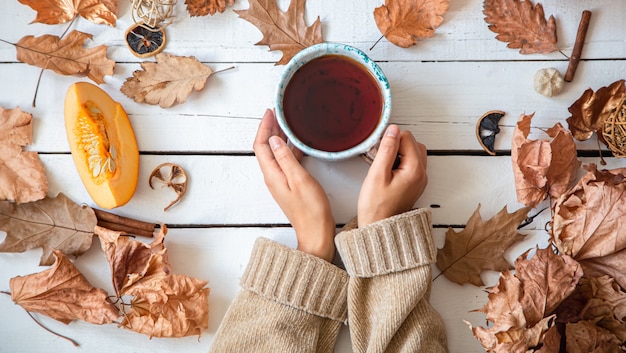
(102, 143)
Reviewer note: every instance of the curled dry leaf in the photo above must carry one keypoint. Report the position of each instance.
(588, 219)
(168, 81)
(522, 25)
(52, 224)
(542, 167)
(207, 7)
(480, 246)
(586, 337)
(60, 11)
(521, 305)
(172, 176)
(404, 22)
(22, 176)
(284, 31)
(63, 294)
(163, 304)
(66, 56)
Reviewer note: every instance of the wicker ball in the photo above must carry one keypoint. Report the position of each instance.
(614, 131)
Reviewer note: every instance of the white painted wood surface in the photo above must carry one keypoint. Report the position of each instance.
(440, 87)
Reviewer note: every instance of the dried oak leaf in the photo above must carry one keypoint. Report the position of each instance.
(522, 25)
(542, 167)
(163, 304)
(60, 11)
(51, 223)
(63, 294)
(168, 81)
(66, 56)
(592, 109)
(480, 246)
(284, 31)
(521, 305)
(207, 7)
(588, 220)
(404, 22)
(22, 176)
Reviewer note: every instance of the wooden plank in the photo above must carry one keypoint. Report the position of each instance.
(463, 35)
(438, 102)
(204, 254)
(230, 190)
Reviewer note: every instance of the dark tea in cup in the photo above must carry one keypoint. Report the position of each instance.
(332, 103)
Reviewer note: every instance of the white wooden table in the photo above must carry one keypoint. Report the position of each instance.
(440, 87)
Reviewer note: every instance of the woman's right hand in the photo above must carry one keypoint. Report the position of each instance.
(386, 191)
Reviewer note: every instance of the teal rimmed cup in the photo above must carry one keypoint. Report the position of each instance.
(324, 49)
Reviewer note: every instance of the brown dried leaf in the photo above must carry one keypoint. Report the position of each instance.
(52, 223)
(60, 11)
(586, 337)
(588, 219)
(480, 246)
(207, 7)
(22, 176)
(163, 304)
(592, 109)
(63, 294)
(167, 82)
(171, 306)
(66, 56)
(606, 304)
(521, 305)
(284, 31)
(404, 22)
(522, 25)
(542, 167)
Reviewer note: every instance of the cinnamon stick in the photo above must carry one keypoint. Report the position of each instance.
(578, 46)
(124, 224)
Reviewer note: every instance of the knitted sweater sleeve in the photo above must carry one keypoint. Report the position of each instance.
(290, 302)
(390, 280)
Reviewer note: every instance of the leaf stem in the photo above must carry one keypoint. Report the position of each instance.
(222, 70)
(2, 291)
(76, 344)
(379, 39)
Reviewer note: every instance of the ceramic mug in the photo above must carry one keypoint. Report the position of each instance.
(333, 102)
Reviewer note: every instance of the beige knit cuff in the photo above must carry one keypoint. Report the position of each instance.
(394, 244)
(297, 279)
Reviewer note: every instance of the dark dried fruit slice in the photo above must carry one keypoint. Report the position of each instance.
(487, 128)
(144, 41)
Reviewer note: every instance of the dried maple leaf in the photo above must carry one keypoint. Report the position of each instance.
(172, 306)
(522, 25)
(60, 11)
(404, 22)
(63, 294)
(588, 219)
(168, 81)
(284, 31)
(592, 109)
(163, 304)
(541, 167)
(479, 246)
(207, 7)
(51, 223)
(586, 337)
(605, 304)
(22, 176)
(66, 56)
(521, 305)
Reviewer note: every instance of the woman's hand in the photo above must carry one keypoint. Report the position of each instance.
(387, 192)
(298, 194)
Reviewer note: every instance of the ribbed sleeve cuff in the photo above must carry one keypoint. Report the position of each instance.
(394, 244)
(297, 279)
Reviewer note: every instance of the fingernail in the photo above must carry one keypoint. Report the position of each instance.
(276, 142)
(392, 131)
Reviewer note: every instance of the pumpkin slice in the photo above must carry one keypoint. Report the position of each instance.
(103, 144)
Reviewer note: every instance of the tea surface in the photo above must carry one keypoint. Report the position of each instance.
(332, 103)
